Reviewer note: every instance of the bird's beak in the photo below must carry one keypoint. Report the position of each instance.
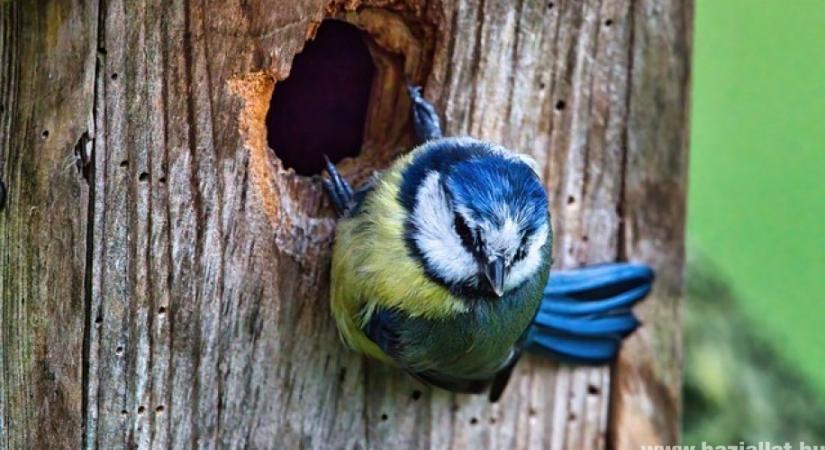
(495, 275)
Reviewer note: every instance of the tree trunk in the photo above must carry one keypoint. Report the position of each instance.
(164, 279)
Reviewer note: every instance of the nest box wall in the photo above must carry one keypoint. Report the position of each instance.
(164, 247)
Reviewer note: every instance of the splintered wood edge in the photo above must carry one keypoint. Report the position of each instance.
(255, 91)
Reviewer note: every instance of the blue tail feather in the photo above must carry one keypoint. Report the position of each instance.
(621, 324)
(574, 350)
(572, 306)
(594, 279)
(586, 313)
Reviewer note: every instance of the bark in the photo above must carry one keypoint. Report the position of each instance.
(164, 280)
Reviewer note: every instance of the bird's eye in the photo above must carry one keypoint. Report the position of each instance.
(463, 231)
(522, 249)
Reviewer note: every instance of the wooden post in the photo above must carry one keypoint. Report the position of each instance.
(163, 279)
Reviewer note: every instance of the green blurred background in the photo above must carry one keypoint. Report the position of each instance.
(756, 222)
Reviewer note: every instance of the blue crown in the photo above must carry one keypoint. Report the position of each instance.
(481, 177)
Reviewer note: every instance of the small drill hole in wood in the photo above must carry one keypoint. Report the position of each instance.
(159, 409)
(114, 76)
(608, 22)
(550, 5)
(143, 176)
(162, 180)
(560, 105)
(571, 199)
(99, 320)
(321, 108)
(162, 310)
(384, 417)
(416, 394)
(593, 389)
(124, 163)
(45, 134)
(141, 410)
(473, 421)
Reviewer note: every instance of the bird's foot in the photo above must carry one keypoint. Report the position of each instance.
(424, 117)
(339, 190)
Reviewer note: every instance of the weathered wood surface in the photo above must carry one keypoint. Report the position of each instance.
(179, 297)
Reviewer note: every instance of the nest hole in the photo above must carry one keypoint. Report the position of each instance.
(321, 108)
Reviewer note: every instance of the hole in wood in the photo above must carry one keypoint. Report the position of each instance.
(560, 105)
(141, 409)
(119, 350)
(320, 109)
(416, 394)
(384, 417)
(143, 176)
(114, 76)
(608, 22)
(473, 421)
(571, 199)
(159, 409)
(45, 134)
(162, 310)
(550, 5)
(593, 389)
(124, 163)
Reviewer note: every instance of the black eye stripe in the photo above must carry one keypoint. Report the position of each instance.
(522, 249)
(464, 232)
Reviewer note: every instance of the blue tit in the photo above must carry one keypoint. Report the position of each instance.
(440, 267)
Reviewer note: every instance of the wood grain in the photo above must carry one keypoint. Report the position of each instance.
(179, 297)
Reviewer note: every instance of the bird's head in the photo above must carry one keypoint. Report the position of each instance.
(478, 220)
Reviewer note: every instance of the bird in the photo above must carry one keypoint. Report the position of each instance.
(441, 267)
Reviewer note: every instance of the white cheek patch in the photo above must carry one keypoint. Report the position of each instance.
(532, 260)
(436, 237)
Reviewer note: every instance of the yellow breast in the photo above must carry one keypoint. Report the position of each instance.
(372, 268)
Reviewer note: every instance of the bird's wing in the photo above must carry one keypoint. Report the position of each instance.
(586, 313)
